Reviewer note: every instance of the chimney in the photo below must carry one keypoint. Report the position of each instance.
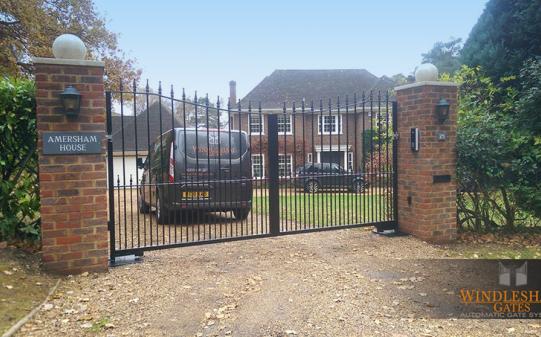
(233, 93)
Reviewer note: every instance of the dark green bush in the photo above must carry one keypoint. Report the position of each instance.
(498, 166)
(19, 190)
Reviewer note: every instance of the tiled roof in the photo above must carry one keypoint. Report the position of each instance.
(293, 85)
(147, 129)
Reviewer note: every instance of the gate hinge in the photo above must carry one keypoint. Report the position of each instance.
(109, 137)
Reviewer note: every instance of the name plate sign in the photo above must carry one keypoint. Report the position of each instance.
(71, 142)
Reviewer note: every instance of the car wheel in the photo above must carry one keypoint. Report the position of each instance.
(162, 214)
(241, 213)
(312, 186)
(358, 186)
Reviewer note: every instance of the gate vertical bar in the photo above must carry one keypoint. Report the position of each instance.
(110, 177)
(395, 164)
(274, 189)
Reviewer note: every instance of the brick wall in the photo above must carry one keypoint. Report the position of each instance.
(426, 209)
(72, 187)
(294, 143)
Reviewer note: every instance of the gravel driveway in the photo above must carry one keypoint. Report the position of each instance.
(336, 283)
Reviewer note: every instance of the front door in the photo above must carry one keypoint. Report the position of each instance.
(336, 157)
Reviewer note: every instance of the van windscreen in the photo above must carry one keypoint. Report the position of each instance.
(209, 145)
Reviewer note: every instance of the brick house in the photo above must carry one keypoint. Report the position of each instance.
(332, 136)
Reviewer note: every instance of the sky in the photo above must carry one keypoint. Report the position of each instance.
(202, 45)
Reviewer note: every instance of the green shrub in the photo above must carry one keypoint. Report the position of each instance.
(19, 190)
(497, 156)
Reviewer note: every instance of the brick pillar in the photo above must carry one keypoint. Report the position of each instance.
(426, 201)
(72, 186)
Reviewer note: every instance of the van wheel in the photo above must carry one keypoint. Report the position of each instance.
(311, 186)
(241, 213)
(162, 214)
(143, 206)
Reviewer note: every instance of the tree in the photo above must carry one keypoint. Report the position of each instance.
(498, 158)
(19, 189)
(400, 79)
(504, 37)
(182, 107)
(29, 27)
(445, 55)
(188, 109)
(529, 136)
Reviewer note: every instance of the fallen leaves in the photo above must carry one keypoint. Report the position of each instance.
(47, 307)
(86, 325)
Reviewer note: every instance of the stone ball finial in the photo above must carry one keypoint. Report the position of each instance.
(426, 72)
(69, 46)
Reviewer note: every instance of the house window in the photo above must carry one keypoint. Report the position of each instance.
(350, 161)
(330, 125)
(258, 166)
(284, 165)
(309, 158)
(256, 123)
(284, 124)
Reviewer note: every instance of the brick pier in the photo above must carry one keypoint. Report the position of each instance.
(73, 188)
(426, 201)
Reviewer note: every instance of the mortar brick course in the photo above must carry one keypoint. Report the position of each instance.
(432, 213)
(72, 188)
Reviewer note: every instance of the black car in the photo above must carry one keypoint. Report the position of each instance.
(328, 176)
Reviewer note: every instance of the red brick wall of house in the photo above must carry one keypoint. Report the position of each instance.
(350, 135)
(426, 209)
(72, 187)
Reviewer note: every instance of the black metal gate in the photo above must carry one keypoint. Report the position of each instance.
(186, 171)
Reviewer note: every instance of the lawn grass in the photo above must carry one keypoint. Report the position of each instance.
(328, 208)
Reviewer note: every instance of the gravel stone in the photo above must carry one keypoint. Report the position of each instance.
(335, 283)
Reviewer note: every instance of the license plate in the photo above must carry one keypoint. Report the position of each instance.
(195, 194)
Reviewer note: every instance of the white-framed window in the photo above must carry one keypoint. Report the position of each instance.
(309, 158)
(285, 167)
(329, 125)
(350, 162)
(256, 124)
(284, 124)
(258, 166)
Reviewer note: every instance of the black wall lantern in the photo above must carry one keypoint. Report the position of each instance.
(71, 100)
(442, 110)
